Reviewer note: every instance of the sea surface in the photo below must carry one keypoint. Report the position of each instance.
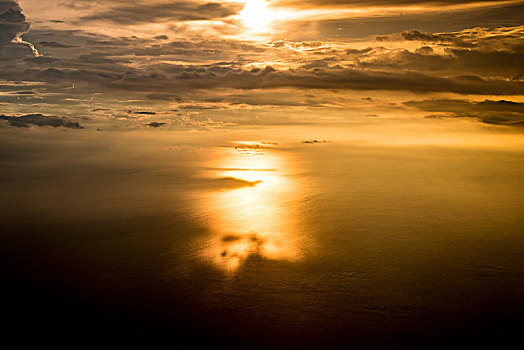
(259, 238)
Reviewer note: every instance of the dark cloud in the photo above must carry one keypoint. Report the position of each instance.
(198, 107)
(392, 74)
(24, 92)
(351, 79)
(501, 112)
(455, 61)
(314, 141)
(415, 35)
(458, 106)
(12, 22)
(15, 51)
(164, 97)
(27, 120)
(273, 98)
(155, 124)
(374, 3)
(503, 15)
(502, 105)
(172, 11)
(54, 44)
(477, 52)
(12, 25)
(143, 112)
(200, 49)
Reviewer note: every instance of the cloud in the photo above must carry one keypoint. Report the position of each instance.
(170, 11)
(55, 45)
(383, 21)
(415, 35)
(455, 61)
(27, 120)
(374, 3)
(143, 112)
(15, 51)
(155, 124)
(12, 22)
(314, 141)
(481, 52)
(12, 25)
(476, 61)
(163, 97)
(344, 78)
(214, 82)
(501, 112)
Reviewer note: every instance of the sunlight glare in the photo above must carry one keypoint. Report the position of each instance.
(254, 220)
(256, 15)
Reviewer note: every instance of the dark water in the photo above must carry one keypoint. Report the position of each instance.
(282, 245)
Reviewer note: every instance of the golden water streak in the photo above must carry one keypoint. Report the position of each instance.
(257, 218)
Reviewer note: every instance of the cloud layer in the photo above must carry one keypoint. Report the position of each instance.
(190, 63)
(12, 25)
(125, 13)
(28, 120)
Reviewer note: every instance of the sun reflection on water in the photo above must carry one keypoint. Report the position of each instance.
(258, 217)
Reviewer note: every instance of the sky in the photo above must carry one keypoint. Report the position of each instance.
(198, 64)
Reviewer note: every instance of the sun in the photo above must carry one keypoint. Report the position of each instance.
(256, 14)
